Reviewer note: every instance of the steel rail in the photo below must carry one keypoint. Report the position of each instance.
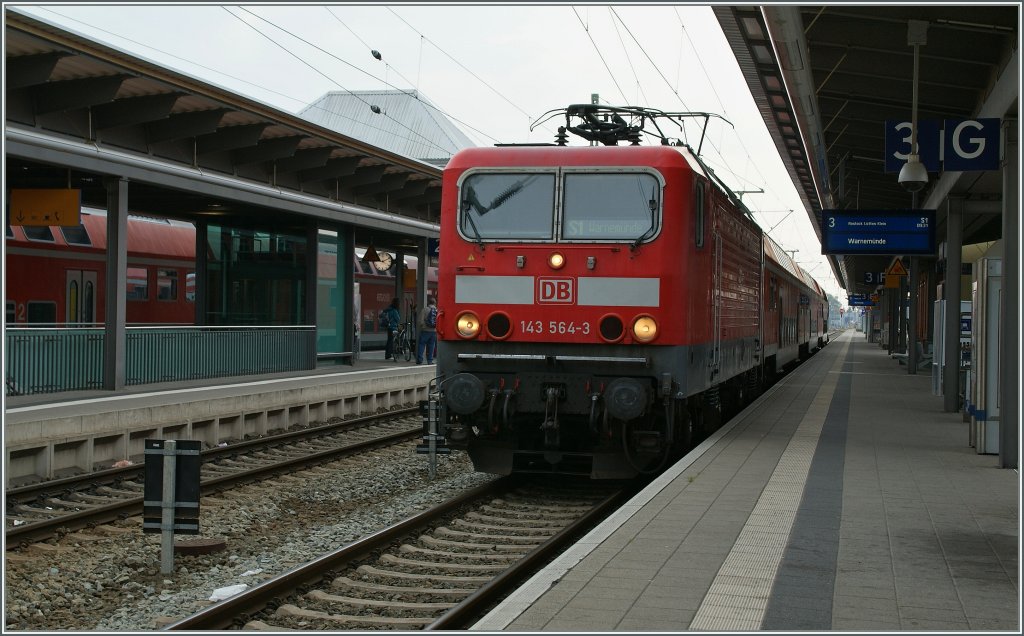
(103, 514)
(224, 614)
(30, 492)
(473, 605)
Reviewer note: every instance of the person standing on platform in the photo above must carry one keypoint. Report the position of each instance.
(427, 340)
(390, 319)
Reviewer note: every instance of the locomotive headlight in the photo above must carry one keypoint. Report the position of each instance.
(467, 325)
(645, 329)
(556, 260)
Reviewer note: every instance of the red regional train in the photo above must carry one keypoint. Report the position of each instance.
(601, 306)
(56, 276)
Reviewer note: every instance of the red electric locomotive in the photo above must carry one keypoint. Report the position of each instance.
(599, 304)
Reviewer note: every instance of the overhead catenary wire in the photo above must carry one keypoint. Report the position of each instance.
(378, 56)
(228, 75)
(330, 79)
(597, 49)
(460, 64)
(639, 86)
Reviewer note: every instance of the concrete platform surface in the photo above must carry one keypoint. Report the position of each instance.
(844, 498)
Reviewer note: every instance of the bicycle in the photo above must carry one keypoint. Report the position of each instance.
(403, 342)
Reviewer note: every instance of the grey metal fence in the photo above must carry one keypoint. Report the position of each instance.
(50, 360)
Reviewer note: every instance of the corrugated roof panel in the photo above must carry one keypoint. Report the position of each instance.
(408, 123)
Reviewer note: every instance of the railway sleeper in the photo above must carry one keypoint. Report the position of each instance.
(86, 498)
(468, 556)
(490, 547)
(516, 521)
(535, 505)
(540, 533)
(343, 582)
(35, 513)
(324, 597)
(67, 505)
(291, 611)
(478, 536)
(390, 559)
(369, 570)
(118, 492)
(260, 626)
(528, 514)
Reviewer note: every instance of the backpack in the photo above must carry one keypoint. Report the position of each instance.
(431, 320)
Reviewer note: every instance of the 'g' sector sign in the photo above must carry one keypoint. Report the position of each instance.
(878, 232)
(952, 144)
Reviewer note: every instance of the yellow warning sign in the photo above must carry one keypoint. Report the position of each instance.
(45, 207)
(896, 269)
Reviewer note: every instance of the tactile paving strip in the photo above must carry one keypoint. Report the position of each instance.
(739, 594)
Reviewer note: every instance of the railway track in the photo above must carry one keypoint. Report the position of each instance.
(40, 511)
(439, 569)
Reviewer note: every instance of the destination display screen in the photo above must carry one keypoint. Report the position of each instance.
(893, 232)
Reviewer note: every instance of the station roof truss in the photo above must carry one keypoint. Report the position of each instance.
(79, 111)
(827, 77)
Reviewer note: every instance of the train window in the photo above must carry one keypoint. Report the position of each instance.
(10, 232)
(610, 206)
(76, 235)
(11, 316)
(190, 286)
(507, 206)
(41, 312)
(138, 283)
(38, 233)
(167, 284)
(698, 209)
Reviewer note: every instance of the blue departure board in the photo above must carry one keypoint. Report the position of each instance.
(893, 232)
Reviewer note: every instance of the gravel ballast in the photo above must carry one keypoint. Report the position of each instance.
(109, 578)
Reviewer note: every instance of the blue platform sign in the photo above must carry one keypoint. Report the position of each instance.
(893, 232)
(859, 300)
(971, 144)
(433, 247)
(897, 144)
(953, 144)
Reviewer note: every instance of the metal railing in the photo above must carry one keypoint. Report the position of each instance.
(55, 359)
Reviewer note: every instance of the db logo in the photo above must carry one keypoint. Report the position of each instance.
(555, 290)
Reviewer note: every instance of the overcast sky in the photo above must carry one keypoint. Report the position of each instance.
(494, 70)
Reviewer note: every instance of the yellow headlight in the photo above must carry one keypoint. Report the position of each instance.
(556, 260)
(645, 329)
(468, 325)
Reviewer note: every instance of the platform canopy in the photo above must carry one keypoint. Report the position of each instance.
(826, 78)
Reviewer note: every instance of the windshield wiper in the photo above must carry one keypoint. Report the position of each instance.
(652, 205)
(509, 192)
(476, 231)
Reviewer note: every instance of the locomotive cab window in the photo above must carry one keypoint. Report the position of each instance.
(507, 206)
(606, 206)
